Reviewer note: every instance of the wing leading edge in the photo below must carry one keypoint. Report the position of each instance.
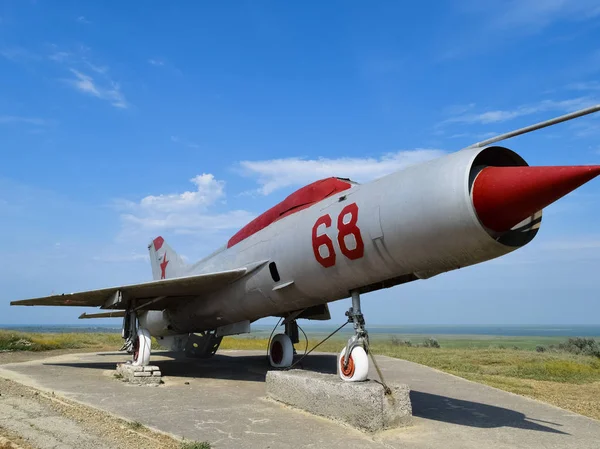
(146, 292)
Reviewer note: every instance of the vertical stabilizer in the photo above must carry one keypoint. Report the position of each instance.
(166, 263)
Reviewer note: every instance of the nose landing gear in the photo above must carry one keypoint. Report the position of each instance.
(353, 360)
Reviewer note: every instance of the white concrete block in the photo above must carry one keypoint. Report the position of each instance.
(361, 404)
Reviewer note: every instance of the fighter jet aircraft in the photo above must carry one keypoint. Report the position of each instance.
(334, 239)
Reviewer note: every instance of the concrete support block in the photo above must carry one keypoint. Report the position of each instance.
(363, 405)
(139, 375)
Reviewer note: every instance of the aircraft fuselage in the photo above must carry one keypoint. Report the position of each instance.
(412, 224)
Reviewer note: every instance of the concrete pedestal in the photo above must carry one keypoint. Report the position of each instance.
(139, 375)
(363, 405)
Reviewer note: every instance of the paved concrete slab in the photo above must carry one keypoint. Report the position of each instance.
(222, 400)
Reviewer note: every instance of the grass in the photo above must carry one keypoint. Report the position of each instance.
(136, 425)
(27, 341)
(20, 341)
(195, 445)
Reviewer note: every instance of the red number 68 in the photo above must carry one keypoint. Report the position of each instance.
(345, 227)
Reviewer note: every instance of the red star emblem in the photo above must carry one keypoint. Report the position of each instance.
(163, 266)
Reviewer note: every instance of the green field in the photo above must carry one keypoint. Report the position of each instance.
(21, 341)
(446, 341)
(568, 380)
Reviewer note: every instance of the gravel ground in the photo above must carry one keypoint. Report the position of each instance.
(32, 419)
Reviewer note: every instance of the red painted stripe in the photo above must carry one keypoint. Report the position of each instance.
(297, 201)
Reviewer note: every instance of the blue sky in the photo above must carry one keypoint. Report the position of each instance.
(120, 121)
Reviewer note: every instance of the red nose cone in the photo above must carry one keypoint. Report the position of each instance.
(505, 196)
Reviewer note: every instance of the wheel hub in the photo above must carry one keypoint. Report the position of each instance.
(347, 368)
(276, 352)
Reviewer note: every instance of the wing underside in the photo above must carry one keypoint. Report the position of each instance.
(117, 314)
(148, 295)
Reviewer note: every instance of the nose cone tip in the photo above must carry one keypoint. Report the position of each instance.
(505, 196)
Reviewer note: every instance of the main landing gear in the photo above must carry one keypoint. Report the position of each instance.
(138, 342)
(353, 361)
(281, 347)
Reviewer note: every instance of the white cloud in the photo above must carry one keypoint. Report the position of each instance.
(8, 119)
(82, 19)
(78, 61)
(586, 127)
(75, 58)
(494, 23)
(133, 257)
(528, 16)
(497, 116)
(275, 174)
(164, 64)
(96, 68)
(189, 222)
(185, 142)
(187, 212)
(475, 136)
(585, 85)
(111, 92)
(542, 13)
(458, 109)
(19, 54)
(85, 83)
(592, 242)
(208, 191)
(60, 56)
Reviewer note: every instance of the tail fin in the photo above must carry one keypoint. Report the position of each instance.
(166, 263)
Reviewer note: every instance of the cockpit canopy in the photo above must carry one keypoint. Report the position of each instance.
(300, 199)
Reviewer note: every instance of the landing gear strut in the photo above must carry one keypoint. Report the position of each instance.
(138, 342)
(353, 361)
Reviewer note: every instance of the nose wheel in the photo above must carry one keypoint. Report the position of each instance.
(356, 368)
(353, 360)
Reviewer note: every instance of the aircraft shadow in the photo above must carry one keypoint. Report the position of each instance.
(253, 368)
(473, 414)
